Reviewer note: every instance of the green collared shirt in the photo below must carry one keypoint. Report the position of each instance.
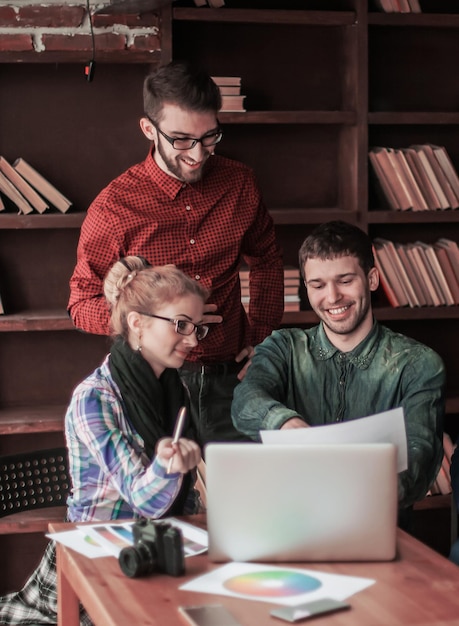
(299, 373)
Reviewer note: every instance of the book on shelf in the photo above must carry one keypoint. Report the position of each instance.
(291, 272)
(230, 90)
(443, 180)
(425, 164)
(291, 290)
(388, 276)
(404, 6)
(428, 275)
(438, 274)
(2, 309)
(448, 271)
(385, 5)
(422, 180)
(399, 6)
(415, 191)
(416, 261)
(216, 4)
(415, 6)
(452, 250)
(232, 103)
(227, 80)
(448, 447)
(27, 191)
(393, 254)
(447, 166)
(12, 193)
(200, 3)
(443, 480)
(43, 186)
(412, 274)
(291, 306)
(383, 184)
(393, 176)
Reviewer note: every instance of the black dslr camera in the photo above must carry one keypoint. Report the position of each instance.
(157, 547)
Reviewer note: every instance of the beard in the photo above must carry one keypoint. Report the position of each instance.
(178, 169)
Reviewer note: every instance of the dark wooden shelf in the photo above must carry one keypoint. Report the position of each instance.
(27, 420)
(266, 16)
(289, 117)
(10, 221)
(412, 217)
(414, 117)
(310, 215)
(431, 20)
(382, 313)
(36, 320)
(35, 521)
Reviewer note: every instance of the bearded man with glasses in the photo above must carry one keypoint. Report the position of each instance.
(202, 212)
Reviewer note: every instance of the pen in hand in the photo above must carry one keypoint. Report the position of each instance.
(179, 424)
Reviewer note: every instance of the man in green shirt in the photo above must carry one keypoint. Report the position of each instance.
(348, 366)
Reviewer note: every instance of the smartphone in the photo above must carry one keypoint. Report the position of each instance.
(208, 615)
(309, 609)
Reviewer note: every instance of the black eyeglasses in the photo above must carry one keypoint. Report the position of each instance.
(183, 327)
(187, 143)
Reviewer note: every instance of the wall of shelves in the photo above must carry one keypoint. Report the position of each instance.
(322, 87)
(332, 85)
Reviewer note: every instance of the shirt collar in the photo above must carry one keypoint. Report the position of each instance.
(361, 356)
(168, 184)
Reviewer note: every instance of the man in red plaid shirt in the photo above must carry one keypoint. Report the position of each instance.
(202, 212)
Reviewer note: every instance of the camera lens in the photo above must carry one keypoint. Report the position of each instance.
(137, 561)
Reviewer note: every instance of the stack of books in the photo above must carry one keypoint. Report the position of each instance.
(417, 178)
(230, 90)
(399, 6)
(291, 288)
(418, 274)
(26, 190)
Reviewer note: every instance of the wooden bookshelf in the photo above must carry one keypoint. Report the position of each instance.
(322, 86)
(335, 83)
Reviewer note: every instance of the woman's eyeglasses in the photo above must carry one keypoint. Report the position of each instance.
(183, 327)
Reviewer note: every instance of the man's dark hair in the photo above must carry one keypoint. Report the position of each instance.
(182, 84)
(336, 239)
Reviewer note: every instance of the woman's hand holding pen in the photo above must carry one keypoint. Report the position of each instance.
(180, 456)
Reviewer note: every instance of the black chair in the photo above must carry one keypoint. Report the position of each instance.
(33, 480)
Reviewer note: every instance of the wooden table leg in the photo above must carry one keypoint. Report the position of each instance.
(68, 606)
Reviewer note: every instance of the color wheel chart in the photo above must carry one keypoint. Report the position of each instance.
(280, 585)
(272, 583)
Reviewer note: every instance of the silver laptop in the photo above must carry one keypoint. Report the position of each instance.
(301, 502)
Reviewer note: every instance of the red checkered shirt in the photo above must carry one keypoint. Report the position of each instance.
(206, 228)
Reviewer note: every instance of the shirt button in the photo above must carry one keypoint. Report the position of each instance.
(197, 277)
(188, 208)
(192, 241)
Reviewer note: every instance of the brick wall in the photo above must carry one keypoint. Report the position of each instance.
(62, 25)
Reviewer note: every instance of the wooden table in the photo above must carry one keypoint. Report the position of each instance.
(419, 588)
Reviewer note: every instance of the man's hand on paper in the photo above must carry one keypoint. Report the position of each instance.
(295, 422)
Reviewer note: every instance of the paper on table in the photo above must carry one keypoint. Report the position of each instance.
(270, 583)
(385, 427)
(113, 536)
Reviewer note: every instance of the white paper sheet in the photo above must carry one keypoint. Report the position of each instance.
(385, 427)
(280, 585)
(108, 538)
